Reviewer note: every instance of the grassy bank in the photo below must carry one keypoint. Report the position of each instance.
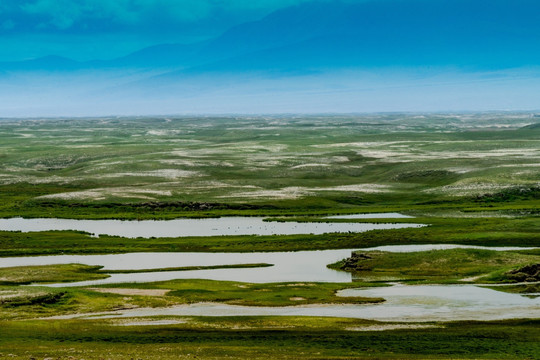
(439, 266)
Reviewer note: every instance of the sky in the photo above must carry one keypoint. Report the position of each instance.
(267, 56)
(104, 29)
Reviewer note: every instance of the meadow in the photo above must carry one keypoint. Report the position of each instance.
(472, 179)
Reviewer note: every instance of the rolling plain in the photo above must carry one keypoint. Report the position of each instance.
(470, 179)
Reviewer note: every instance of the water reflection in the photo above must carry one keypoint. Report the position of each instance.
(191, 227)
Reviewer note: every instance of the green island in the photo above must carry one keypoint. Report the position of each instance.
(470, 179)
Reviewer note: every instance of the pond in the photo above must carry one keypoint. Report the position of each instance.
(194, 227)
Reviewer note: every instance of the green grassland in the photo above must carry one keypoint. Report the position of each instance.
(165, 168)
(473, 179)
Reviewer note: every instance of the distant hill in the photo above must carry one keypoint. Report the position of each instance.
(475, 34)
(46, 63)
(469, 33)
(535, 126)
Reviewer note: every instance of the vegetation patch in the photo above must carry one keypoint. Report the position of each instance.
(528, 273)
(188, 268)
(250, 294)
(20, 275)
(439, 265)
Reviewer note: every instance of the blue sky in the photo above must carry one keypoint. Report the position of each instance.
(88, 29)
(261, 56)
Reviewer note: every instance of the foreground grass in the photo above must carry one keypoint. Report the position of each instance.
(438, 266)
(267, 337)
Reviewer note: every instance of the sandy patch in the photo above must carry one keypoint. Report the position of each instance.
(162, 173)
(297, 298)
(151, 322)
(309, 166)
(394, 327)
(367, 188)
(294, 192)
(8, 294)
(285, 193)
(471, 278)
(86, 146)
(163, 132)
(103, 193)
(139, 292)
(460, 189)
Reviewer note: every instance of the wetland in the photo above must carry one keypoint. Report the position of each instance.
(335, 236)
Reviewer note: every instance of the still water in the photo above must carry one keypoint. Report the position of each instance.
(287, 266)
(195, 227)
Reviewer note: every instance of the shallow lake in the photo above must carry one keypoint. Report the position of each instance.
(288, 266)
(403, 304)
(197, 227)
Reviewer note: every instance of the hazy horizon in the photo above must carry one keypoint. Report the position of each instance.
(99, 58)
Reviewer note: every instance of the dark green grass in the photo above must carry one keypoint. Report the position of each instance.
(515, 339)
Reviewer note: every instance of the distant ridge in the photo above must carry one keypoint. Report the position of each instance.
(473, 34)
(46, 63)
